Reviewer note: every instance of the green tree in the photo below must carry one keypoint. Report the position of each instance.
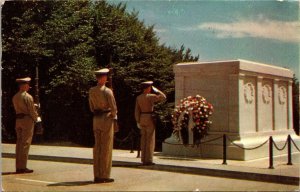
(21, 22)
(70, 39)
(136, 57)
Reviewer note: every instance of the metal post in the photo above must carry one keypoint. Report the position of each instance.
(37, 99)
(289, 150)
(38, 129)
(139, 146)
(138, 153)
(271, 153)
(224, 150)
(132, 143)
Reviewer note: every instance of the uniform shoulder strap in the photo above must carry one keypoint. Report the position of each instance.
(105, 94)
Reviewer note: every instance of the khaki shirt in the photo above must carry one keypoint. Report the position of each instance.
(145, 103)
(102, 98)
(23, 103)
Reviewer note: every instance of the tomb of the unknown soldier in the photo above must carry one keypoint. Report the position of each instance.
(252, 102)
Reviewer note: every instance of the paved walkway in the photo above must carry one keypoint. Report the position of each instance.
(256, 170)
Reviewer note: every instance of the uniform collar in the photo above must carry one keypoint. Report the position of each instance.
(100, 85)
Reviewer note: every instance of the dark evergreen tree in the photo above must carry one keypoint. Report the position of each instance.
(68, 40)
(22, 50)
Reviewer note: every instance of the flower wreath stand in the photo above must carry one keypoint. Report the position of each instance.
(191, 120)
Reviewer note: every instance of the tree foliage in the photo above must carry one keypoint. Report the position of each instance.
(67, 40)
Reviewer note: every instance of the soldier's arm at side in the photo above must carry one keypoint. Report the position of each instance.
(112, 104)
(14, 102)
(32, 109)
(137, 112)
(92, 108)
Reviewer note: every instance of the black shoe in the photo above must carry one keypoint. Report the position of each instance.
(149, 163)
(24, 170)
(108, 180)
(102, 180)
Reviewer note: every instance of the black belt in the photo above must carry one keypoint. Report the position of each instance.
(147, 112)
(21, 115)
(101, 112)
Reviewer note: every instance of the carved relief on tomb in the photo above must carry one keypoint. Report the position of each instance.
(282, 95)
(266, 93)
(249, 92)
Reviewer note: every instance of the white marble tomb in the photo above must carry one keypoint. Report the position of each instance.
(252, 101)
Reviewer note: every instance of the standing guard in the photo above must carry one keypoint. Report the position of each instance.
(26, 116)
(103, 106)
(144, 117)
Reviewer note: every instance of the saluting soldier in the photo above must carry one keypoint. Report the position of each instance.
(144, 117)
(26, 116)
(103, 106)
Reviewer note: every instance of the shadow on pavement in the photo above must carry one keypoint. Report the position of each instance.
(178, 158)
(73, 183)
(126, 164)
(10, 173)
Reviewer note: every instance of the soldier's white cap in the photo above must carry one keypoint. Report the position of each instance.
(101, 71)
(147, 83)
(23, 80)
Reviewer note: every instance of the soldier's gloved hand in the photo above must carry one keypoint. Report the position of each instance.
(39, 119)
(138, 125)
(155, 89)
(116, 126)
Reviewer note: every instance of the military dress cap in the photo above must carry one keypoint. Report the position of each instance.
(102, 71)
(147, 83)
(23, 80)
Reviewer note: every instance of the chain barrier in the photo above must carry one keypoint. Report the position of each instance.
(192, 145)
(125, 139)
(245, 147)
(133, 134)
(295, 144)
(211, 140)
(280, 149)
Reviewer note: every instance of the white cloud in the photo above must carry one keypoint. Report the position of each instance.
(194, 28)
(262, 28)
(161, 30)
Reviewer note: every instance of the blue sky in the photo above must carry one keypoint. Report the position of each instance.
(260, 31)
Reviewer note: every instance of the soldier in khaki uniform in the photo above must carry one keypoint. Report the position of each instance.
(144, 118)
(103, 105)
(26, 116)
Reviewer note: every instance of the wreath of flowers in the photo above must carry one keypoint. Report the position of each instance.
(199, 109)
